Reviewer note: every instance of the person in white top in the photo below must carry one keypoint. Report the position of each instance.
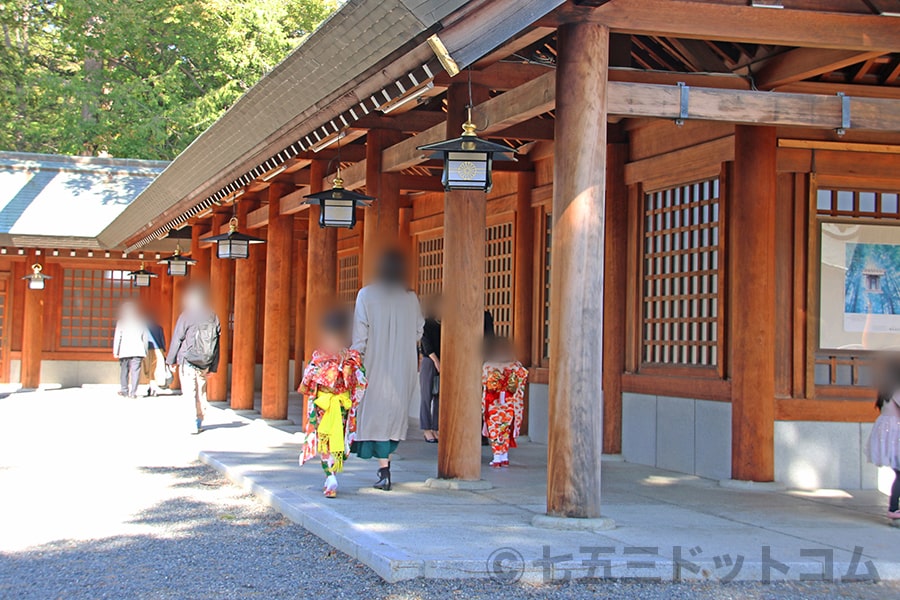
(130, 347)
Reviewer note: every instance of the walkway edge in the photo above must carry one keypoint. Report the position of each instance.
(390, 563)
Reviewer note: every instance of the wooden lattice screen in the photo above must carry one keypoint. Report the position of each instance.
(498, 276)
(681, 274)
(91, 298)
(430, 278)
(847, 368)
(348, 277)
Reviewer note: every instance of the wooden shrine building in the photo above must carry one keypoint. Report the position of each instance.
(680, 251)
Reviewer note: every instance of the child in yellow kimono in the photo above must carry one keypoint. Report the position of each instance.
(503, 380)
(333, 384)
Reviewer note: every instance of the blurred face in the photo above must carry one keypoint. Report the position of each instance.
(332, 342)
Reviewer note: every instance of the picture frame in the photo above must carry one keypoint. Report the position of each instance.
(859, 286)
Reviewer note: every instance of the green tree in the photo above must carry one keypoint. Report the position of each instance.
(135, 78)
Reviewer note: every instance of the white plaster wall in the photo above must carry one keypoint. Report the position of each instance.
(538, 412)
(816, 454)
(677, 434)
(15, 370)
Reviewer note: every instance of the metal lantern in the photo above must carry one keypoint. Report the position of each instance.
(468, 159)
(177, 265)
(233, 244)
(338, 205)
(36, 279)
(142, 277)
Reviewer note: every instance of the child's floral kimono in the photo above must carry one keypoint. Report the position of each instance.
(333, 385)
(503, 404)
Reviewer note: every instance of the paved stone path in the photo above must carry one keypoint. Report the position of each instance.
(102, 497)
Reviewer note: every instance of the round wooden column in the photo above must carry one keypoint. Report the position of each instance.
(523, 302)
(246, 307)
(221, 278)
(277, 329)
(459, 453)
(321, 271)
(300, 265)
(576, 278)
(200, 271)
(33, 329)
(751, 212)
(382, 222)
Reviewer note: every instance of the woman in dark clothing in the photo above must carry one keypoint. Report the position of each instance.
(429, 369)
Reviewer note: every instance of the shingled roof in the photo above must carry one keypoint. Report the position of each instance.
(66, 201)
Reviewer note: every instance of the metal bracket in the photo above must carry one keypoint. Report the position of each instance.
(683, 106)
(845, 114)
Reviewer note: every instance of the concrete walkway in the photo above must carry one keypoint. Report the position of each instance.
(668, 526)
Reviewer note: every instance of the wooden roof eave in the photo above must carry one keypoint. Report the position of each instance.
(245, 145)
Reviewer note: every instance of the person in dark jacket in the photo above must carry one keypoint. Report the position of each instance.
(195, 347)
(430, 368)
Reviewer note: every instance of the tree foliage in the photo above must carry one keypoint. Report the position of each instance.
(135, 78)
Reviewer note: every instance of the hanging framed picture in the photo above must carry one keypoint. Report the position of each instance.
(859, 286)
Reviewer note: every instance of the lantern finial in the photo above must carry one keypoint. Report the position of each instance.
(36, 268)
(469, 127)
(232, 224)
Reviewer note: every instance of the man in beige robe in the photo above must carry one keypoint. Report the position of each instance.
(387, 326)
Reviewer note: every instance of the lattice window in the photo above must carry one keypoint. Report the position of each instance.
(498, 276)
(348, 277)
(681, 260)
(856, 203)
(431, 267)
(91, 298)
(839, 367)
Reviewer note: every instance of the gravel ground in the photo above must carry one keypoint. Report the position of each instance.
(147, 521)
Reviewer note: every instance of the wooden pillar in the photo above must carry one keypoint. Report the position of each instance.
(277, 336)
(459, 453)
(33, 328)
(523, 303)
(178, 286)
(751, 217)
(615, 286)
(221, 280)
(200, 271)
(246, 307)
(407, 242)
(300, 265)
(382, 222)
(576, 294)
(162, 310)
(321, 272)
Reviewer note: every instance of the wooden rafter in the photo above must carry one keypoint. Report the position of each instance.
(804, 63)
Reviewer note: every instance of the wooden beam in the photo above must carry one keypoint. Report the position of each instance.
(803, 63)
(830, 89)
(692, 19)
(421, 183)
(531, 130)
(413, 121)
(646, 100)
(499, 76)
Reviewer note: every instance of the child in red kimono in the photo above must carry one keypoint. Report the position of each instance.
(503, 381)
(333, 384)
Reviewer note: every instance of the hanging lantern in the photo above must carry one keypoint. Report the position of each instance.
(36, 279)
(177, 265)
(468, 159)
(338, 205)
(142, 277)
(233, 244)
